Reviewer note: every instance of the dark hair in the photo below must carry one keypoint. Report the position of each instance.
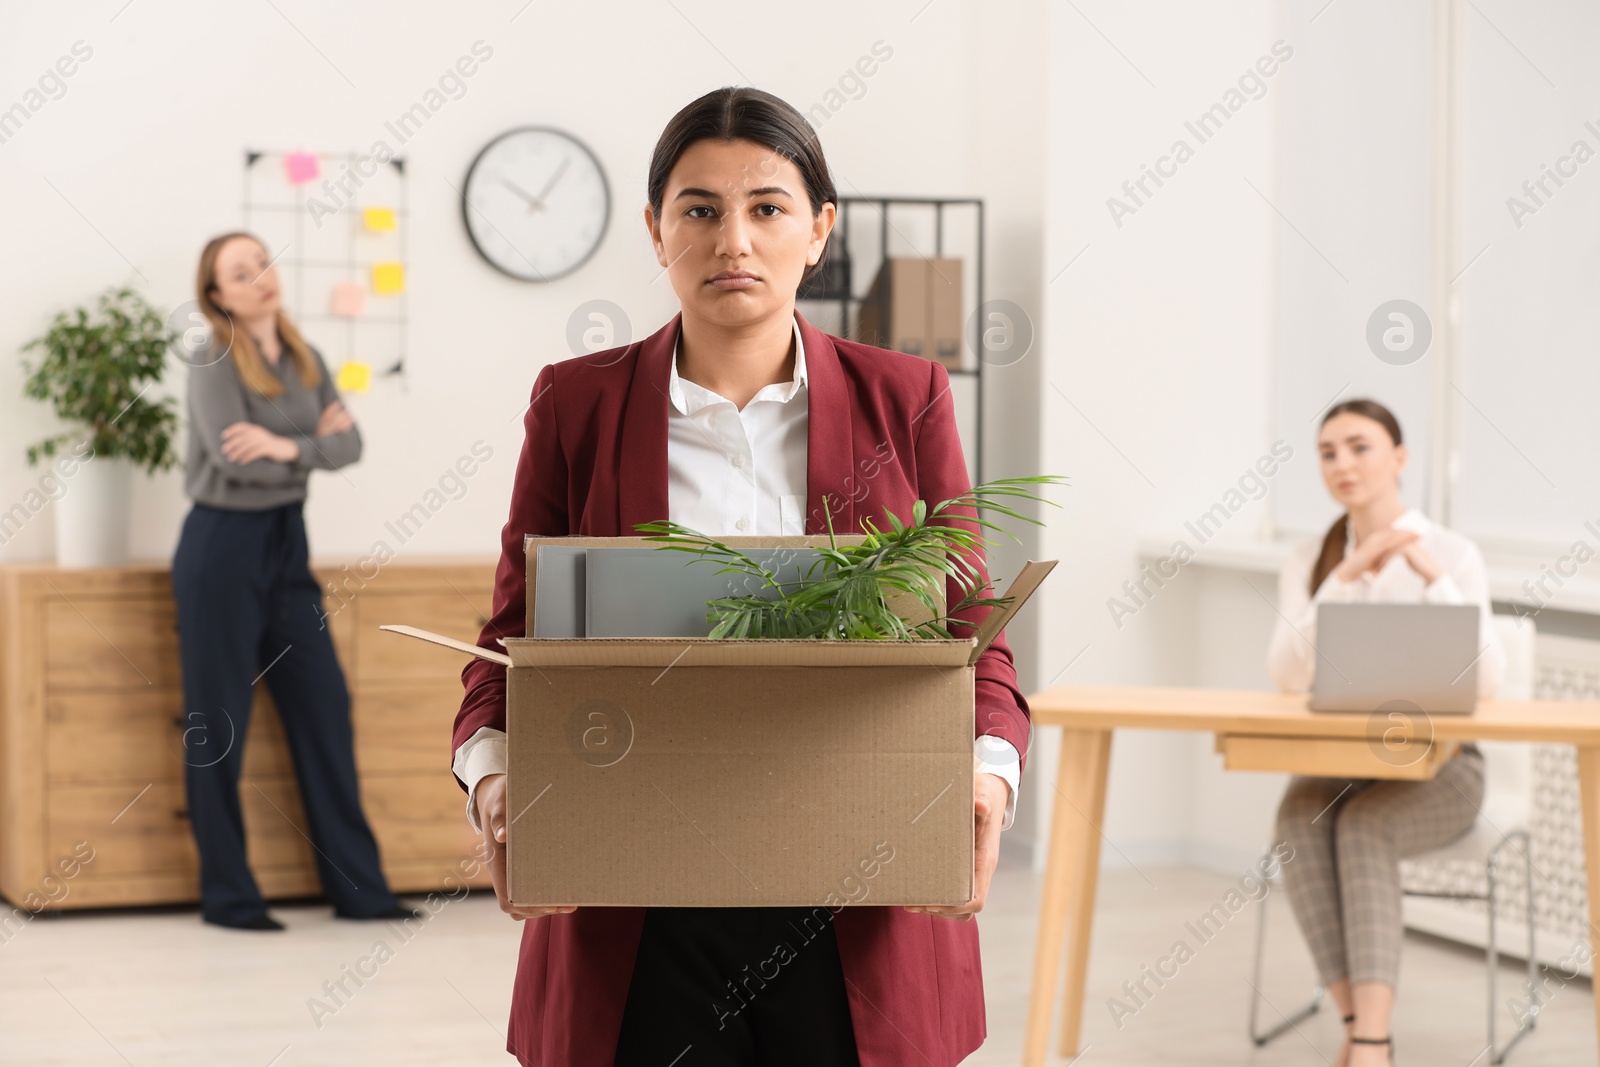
(1333, 542)
(739, 113)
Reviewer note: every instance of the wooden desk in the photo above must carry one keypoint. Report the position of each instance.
(1268, 731)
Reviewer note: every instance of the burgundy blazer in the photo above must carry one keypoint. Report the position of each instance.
(882, 435)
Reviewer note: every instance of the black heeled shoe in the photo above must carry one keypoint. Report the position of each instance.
(260, 922)
(399, 911)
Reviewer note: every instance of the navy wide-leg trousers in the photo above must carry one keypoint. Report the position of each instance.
(249, 609)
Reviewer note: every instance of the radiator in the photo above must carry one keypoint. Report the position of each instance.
(1565, 669)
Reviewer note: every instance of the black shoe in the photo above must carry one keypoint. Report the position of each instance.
(399, 912)
(260, 922)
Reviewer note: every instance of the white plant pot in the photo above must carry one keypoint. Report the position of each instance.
(92, 515)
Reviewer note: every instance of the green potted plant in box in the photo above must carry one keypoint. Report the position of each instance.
(845, 593)
(96, 369)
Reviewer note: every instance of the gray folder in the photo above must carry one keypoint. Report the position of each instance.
(560, 596)
(649, 592)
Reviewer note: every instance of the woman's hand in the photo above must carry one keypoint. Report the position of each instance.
(491, 797)
(246, 442)
(1374, 551)
(334, 419)
(988, 811)
(1422, 561)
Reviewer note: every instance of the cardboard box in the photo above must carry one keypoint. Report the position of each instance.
(914, 306)
(698, 772)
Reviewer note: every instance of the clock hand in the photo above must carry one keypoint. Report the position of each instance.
(534, 203)
(551, 184)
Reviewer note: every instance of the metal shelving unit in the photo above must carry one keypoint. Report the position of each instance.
(850, 302)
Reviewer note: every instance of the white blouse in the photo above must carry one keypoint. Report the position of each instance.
(733, 472)
(1291, 659)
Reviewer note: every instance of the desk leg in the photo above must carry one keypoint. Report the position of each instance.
(1589, 781)
(1066, 906)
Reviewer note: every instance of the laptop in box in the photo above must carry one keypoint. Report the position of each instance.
(1369, 655)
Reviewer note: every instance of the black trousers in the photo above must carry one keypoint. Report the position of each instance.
(248, 606)
(719, 987)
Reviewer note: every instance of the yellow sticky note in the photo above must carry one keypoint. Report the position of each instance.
(379, 219)
(388, 278)
(355, 377)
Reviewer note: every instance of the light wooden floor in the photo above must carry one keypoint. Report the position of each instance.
(161, 988)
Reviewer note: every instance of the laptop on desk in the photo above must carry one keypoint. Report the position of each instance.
(1373, 655)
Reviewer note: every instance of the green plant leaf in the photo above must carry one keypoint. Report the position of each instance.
(845, 592)
(96, 372)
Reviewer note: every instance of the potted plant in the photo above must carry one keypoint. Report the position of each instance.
(95, 372)
(845, 593)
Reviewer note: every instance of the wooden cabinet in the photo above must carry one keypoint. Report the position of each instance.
(91, 736)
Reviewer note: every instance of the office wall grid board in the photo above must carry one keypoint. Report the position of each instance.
(321, 238)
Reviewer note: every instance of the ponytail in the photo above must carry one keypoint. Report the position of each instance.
(1332, 552)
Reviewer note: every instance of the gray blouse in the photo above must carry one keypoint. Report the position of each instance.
(217, 399)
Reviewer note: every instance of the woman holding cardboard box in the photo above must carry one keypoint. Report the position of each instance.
(737, 417)
(1348, 836)
(263, 414)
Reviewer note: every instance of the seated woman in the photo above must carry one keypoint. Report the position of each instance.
(1348, 835)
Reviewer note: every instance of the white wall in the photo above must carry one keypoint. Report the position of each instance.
(123, 178)
(1157, 360)
(1243, 286)
(1355, 153)
(1529, 373)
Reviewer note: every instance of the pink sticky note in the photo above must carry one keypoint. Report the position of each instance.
(302, 167)
(349, 300)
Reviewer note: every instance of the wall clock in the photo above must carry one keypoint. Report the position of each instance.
(535, 203)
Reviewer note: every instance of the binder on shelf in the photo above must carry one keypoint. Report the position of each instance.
(914, 306)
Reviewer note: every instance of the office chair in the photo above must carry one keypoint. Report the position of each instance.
(1502, 824)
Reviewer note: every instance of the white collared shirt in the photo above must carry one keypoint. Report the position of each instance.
(733, 471)
(1291, 659)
